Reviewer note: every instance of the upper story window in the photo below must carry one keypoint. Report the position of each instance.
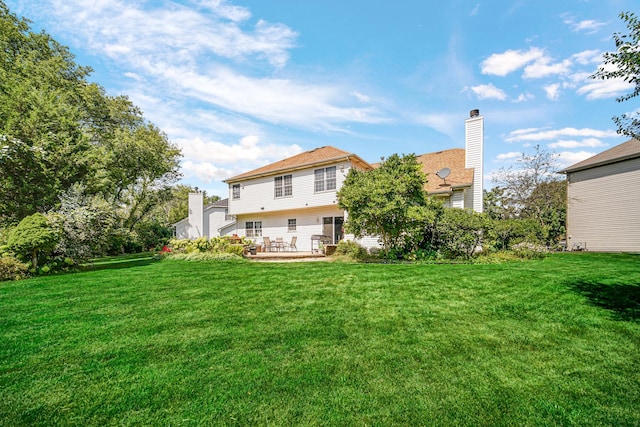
(283, 186)
(235, 191)
(325, 179)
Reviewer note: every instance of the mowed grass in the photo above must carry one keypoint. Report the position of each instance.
(550, 342)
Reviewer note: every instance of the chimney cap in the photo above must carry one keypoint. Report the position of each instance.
(474, 113)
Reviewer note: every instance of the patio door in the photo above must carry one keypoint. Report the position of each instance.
(332, 227)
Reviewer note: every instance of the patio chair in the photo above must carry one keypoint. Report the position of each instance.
(267, 244)
(292, 244)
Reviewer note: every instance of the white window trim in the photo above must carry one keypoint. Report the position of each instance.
(321, 185)
(282, 186)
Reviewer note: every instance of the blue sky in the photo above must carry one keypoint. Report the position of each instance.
(239, 84)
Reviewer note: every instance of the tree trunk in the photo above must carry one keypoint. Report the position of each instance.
(34, 259)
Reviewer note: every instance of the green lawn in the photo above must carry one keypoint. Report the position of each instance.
(551, 342)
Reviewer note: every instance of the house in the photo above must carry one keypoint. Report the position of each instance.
(603, 210)
(297, 196)
(210, 221)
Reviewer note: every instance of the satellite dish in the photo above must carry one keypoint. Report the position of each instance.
(443, 173)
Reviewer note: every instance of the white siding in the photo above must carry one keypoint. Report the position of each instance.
(214, 219)
(275, 224)
(457, 199)
(604, 207)
(474, 149)
(257, 195)
(196, 221)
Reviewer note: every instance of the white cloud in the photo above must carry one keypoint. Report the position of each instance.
(587, 142)
(543, 68)
(534, 134)
(202, 158)
(568, 158)
(181, 51)
(501, 64)
(475, 10)
(488, 92)
(553, 91)
(361, 97)
(174, 32)
(206, 172)
(588, 26)
(447, 124)
(510, 155)
(524, 97)
(587, 57)
(599, 89)
(223, 9)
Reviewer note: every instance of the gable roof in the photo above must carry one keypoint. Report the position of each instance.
(454, 159)
(626, 150)
(220, 203)
(316, 157)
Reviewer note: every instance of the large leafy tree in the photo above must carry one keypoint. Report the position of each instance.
(42, 147)
(383, 201)
(624, 64)
(57, 129)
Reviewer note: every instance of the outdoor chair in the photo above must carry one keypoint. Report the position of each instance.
(292, 244)
(267, 244)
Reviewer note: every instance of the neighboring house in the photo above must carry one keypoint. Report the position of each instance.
(210, 221)
(603, 208)
(297, 196)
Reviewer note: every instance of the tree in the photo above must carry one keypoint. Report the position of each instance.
(33, 236)
(380, 201)
(42, 147)
(87, 223)
(57, 130)
(531, 189)
(625, 64)
(176, 207)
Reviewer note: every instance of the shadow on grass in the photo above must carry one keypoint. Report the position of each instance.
(119, 263)
(621, 299)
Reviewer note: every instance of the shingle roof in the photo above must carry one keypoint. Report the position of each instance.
(222, 203)
(309, 158)
(624, 151)
(452, 159)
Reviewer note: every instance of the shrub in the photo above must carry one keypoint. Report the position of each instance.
(351, 249)
(235, 249)
(204, 256)
(11, 268)
(152, 234)
(460, 232)
(34, 237)
(528, 250)
(200, 244)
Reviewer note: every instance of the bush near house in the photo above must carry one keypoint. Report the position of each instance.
(215, 245)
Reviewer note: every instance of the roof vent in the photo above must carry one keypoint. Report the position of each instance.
(474, 113)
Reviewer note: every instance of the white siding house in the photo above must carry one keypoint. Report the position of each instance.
(293, 197)
(210, 221)
(603, 207)
(297, 196)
